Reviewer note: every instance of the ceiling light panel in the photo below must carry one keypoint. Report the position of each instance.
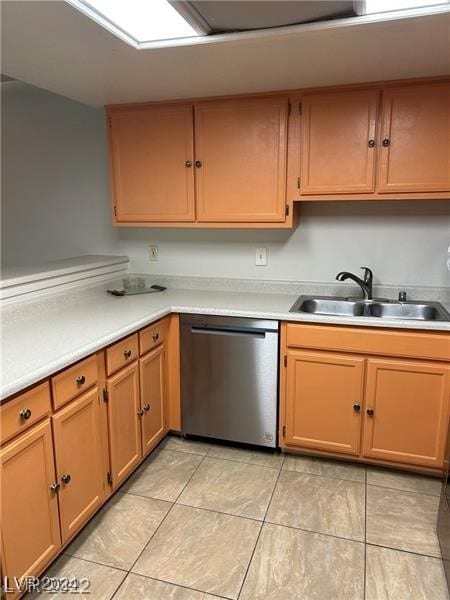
(141, 20)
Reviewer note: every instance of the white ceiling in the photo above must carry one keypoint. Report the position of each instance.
(52, 45)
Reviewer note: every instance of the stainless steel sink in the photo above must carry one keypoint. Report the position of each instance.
(419, 311)
(331, 306)
(386, 309)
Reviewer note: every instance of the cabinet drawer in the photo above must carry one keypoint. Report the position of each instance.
(152, 336)
(388, 342)
(25, 410)
(73, 381)
(121, 354)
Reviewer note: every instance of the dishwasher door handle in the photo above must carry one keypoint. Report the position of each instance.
(255, 333)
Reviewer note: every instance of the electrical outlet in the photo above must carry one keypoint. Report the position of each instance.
(261, 257)
(153, 253)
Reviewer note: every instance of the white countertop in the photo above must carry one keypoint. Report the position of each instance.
(43, 336)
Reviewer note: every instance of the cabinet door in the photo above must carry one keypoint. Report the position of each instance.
(406, 411)
(152, 374)
(324, 401)
(30, 528)
(241, 147)
(415, 146)
(78, 462)
(123, 419)
(338, 142)
(151, 151)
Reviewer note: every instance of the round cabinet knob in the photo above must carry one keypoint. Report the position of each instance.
(370, 411)
(55, 487)
(146, 407)
(127, 353)
(155, 337)
(25, 414)
(371, 143)
(188, 164)
(140, 412)
(198, 164)
(81, 379)
(66, 478)
(356, 407)
(386, 142)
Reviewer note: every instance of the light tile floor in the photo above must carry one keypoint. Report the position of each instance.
(201, 521)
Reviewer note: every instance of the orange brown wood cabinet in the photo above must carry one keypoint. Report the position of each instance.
(242, 161)
(59, 466)
(379, 395)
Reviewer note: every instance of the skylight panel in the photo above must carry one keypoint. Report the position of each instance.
(142, 20)
(380, 6)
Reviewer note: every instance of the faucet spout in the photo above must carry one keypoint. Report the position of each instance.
(365, 284)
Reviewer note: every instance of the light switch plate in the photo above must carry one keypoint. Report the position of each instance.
(261, 257)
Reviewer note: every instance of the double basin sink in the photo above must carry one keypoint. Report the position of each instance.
(378, 308)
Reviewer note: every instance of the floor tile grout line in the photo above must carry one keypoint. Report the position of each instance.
(241, 462)
(190, 478)
(227, 513)
(259, 534)
(404, 551)
(185, 587)
(393, 489)
(215, 510)
(336, 537)
(304, 472)
(89, 560)
(229, 459)
(272, 494)
(251, 559)
(166, 515)
(323, 475)
(220, 512)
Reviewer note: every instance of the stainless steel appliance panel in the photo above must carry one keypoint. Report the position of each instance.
(229, 378)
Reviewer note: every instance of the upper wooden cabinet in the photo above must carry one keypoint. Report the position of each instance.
(238, 170)
(338, 142)
(150, 150)
(241, 162)
(350, 148)
(240, 151)
(415, 139)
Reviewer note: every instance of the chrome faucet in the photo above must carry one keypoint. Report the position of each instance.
(365, 284)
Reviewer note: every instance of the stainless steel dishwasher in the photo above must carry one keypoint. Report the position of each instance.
(229, 378)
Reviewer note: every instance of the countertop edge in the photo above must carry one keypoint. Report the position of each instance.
(55, 366)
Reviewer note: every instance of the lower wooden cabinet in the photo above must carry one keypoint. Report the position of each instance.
(390, 410)
(137, 398)
(406, 411)
(30, 527)
(324, 395)
(54, 471)
(152, 376)
(78, 462)
(124, 426)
